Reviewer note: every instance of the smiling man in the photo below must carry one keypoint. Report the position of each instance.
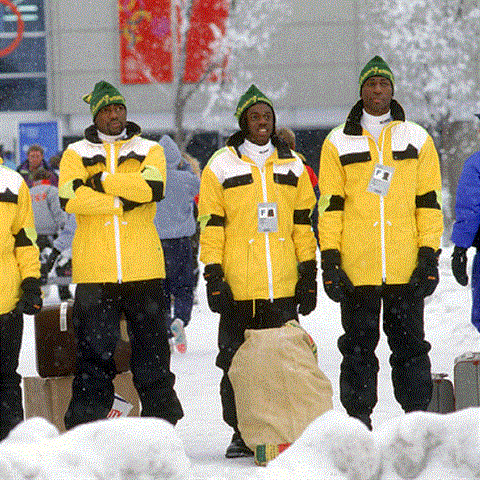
(380, 226)
(256, 239)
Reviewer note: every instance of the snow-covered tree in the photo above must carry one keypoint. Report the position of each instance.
(433, 46)
(248, 31)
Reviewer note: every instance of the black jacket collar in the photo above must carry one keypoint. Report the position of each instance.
(91, 133)
(239, 137)
(353, 126)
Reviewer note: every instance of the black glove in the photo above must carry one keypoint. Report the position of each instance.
(219, 294)
(129, 204)
(425, 277)
(335, 281)
(95, 182)
(459, 265)
(47, 266)
(306, 288)
(31, 299)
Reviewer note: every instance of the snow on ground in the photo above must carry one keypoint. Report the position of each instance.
(424, 446)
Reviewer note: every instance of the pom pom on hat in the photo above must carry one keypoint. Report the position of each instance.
(103, 94)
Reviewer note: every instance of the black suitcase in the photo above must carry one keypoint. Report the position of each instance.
(466, 376)
(443, 397)
(56, 346)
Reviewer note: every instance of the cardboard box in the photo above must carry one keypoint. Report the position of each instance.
(50, 397)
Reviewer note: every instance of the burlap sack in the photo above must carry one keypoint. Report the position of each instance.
(279, 389)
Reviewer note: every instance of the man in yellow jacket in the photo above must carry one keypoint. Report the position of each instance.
(380, 226)
(19, 288)
(111, 180)
(256, 238)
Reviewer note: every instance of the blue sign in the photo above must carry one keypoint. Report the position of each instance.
(44, 134)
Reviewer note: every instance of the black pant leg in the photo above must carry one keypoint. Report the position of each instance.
(231, 334)
(404, 327)
(359, 367)
(11, 406)
(96, 318)
(145, 308)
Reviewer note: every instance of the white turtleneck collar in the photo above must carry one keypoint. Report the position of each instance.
(112, 138)
(258, 153)
(374, 124)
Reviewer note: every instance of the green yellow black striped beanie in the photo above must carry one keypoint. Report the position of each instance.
(252, 96)
(103, 94)
(376, 67)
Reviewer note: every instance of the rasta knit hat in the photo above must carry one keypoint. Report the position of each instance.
(103, 94)
(252, 96)
(376, 67)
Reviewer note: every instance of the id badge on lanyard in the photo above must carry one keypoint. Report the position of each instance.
(380, 180)
(267, 214)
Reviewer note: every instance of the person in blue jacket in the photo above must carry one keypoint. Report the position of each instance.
(465, 233)
(175, 223)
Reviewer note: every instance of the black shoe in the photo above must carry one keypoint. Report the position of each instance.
(364, 418)
(237, 448)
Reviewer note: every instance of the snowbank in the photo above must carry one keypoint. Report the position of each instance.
(127, 449)
(420, 445)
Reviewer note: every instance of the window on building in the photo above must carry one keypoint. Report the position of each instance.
(23, 66)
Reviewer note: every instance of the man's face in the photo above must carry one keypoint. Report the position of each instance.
(259, 123)
(111, 119)
(35, 158)
(377, 94)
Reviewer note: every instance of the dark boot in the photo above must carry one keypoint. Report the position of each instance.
(237, 448)
(364, 418)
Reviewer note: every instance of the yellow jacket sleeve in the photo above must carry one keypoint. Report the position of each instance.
(143, 186)
(331, 181)
(428, 197)
(211, 215)
(75, 196)
(23, 229)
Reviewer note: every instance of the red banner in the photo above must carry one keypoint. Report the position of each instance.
(205, 14)
(145, 41)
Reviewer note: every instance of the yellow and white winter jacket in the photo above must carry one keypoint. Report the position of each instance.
(257, 265)
(113, 244)
(19, 257)
(379, 236)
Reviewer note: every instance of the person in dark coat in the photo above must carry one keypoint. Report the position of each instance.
(35, 161)
(175, 223)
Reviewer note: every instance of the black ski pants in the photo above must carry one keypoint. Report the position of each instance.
(403, 325)
(11, 405)
(246, 314)
(97, 311)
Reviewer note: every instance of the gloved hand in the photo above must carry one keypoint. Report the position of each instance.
(95, 182)
(335, 281)
(459, 265)
(306, 288)
(47, 266)
(31, 299)
(425, 277)
(219, 294)
(129, 204)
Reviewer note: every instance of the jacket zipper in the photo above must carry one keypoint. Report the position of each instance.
(267, 238)
(116, 225)
(382, 212)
